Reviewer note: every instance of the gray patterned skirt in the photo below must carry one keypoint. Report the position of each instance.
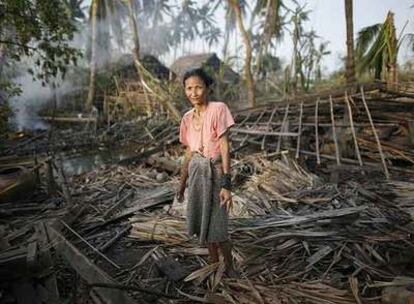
(205, 217)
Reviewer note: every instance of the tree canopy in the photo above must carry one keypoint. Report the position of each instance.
(41, 30)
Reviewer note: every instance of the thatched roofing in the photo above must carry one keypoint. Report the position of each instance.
(210, 61)
(125, 64)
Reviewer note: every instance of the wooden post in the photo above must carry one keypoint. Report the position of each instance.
(282, 128)
(318, 158)
(268, 126)
(299, 131)
(338, 157)
(351, 123)
(374, 131)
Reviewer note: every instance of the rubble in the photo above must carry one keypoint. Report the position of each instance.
(317, 219)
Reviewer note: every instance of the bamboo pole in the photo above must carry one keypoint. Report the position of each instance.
(318, 158)
(268, 125)
(351, 123)
(258, 132)
(299, 131)
(337, 154)
(254, 124)
(244, 120)
(282, 128)
(384, 164)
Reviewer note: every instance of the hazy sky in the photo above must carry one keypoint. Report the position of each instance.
(328, 19)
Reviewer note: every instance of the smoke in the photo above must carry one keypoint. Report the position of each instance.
(27, 104)
(35, 97)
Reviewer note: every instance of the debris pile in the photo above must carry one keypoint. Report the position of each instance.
(299, 235)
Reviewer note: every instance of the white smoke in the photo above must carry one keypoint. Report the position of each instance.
(26, 105)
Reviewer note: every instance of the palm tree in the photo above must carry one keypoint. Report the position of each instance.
(377, 49)
(272, 27)
(350, 62)
(231, 22)
(235, 5)
(92, 73)
(134, 28)
(299, 16)
(106, 13)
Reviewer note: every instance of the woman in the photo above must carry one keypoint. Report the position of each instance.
(204, 132)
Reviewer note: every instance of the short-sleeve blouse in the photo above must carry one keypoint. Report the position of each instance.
(217, 120)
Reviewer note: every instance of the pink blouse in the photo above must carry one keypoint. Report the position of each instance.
(216, 121)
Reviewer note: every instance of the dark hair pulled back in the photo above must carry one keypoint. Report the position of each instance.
(199, 72)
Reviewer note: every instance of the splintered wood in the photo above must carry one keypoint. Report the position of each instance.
(297, 238)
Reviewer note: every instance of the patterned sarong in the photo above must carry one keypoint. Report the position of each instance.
(205, 217)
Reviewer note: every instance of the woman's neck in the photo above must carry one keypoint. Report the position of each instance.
(199, 109)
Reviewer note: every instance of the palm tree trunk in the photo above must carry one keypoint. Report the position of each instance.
(266, 36)
(248, 58)
(392, 50)
(295, 58)
(226, 40)
(133, 26)
(92, 75)
(350, 62)
(392, 78)
(135, 52)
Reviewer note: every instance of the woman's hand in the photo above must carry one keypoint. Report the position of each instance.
(180, 193)
(225, 199)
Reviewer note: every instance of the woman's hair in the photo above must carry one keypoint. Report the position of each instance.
(199, 72)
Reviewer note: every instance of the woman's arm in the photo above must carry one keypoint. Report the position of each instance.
(184, 175)
(225, 194)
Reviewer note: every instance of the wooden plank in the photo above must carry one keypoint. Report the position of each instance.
(50, 281)
(87, 270)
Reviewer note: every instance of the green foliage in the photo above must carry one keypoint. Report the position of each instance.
(377, 47)
(39, 29)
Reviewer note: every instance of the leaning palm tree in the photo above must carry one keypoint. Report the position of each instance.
(230, 23)
(235, 5)
(271, 27)
(377, 49)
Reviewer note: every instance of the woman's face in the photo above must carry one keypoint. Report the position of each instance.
(195, 90)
